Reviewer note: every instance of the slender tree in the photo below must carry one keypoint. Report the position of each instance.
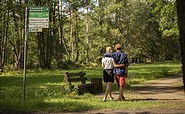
(181, 22)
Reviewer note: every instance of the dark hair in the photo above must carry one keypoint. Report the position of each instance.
(118, 48)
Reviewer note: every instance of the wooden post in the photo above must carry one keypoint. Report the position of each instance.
(98, 87)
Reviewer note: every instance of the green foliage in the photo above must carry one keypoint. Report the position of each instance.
(76, 36)
(147, 29)
(71, 89)
(69, 64)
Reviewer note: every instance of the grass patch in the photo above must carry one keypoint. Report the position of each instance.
(46, 90)
(139, 73)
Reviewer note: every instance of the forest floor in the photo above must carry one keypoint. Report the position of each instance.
(167, 89)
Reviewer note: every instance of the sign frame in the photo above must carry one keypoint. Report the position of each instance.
(38, 18)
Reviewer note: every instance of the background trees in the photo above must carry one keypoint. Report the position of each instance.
(80, 30)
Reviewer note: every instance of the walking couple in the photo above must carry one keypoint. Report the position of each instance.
(114, 64)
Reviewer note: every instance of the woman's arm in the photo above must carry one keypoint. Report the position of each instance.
(102, 65)
(117, 65)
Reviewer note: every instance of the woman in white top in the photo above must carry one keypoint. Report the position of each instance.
(108, 64)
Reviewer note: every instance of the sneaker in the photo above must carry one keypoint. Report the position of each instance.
(118, 99)
(111, 98)
(123, 98)
(104, 100)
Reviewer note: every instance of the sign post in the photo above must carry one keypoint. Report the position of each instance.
(36, 18)
(25, 50)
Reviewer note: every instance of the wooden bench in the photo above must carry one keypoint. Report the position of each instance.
(80, 77)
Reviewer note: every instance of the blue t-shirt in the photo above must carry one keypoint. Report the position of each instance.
(120, 58)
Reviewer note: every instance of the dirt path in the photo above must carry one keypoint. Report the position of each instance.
(162, 89)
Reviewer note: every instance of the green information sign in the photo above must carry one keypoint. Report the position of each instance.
(39, 14)
(35, 8)
(38, 18)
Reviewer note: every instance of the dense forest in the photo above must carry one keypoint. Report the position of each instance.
(79, 31)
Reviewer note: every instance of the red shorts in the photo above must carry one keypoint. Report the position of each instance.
(120, 80)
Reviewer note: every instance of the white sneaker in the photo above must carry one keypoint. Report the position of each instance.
(104, 100)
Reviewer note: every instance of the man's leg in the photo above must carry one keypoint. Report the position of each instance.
(118, 84)
(121, 96)
(121, 85)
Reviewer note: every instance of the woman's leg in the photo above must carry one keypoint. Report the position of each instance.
(110, 92)
(109, 84)
(106, 92)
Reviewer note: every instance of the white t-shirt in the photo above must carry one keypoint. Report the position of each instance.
(108, 62)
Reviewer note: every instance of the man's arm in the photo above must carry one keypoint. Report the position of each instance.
(126, 68)
(126, 71)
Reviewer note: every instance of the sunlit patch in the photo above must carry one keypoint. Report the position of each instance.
(54, 100)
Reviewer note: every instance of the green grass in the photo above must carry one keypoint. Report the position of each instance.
(46, 90)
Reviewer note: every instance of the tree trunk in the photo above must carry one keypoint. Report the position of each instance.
(41, 51)
(87, 37)
(71, 35)
(76, 36)
(1, 39)
(181, 23)
(49, 50)
(61, 32)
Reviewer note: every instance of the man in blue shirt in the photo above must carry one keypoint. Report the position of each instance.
(120, 72)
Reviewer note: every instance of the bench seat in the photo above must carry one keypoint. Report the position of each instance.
(80, 77)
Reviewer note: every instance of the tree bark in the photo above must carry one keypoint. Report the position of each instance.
(181, 22)
(76, 36)
(71, 35)
(41, 50)
(87, 36)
